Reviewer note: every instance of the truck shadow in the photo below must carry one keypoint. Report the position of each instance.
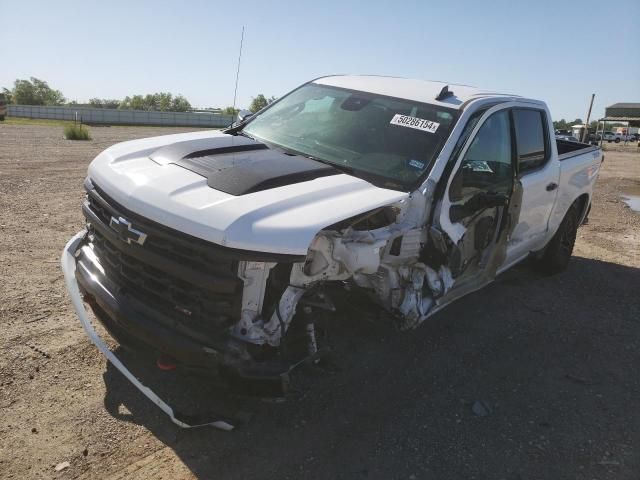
(548, 356)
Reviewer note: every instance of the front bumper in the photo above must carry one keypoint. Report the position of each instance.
(69, 268)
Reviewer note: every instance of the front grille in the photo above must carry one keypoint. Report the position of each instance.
(169, 244)
(188, 282)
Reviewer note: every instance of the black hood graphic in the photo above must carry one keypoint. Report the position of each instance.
(239, 165)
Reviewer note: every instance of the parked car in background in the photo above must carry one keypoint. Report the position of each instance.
(3, 106)
(569, 138)
(563, 131)
(623, 137)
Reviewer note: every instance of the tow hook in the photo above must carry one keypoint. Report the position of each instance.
(166, 363)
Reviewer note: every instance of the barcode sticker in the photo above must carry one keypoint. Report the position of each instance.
(414, 122)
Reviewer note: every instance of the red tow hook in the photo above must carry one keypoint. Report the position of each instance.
(166, 363)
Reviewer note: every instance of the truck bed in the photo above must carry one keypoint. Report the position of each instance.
(579, 169)
(567, 149)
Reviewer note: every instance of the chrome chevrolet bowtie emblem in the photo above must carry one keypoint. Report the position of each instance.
(126, 232)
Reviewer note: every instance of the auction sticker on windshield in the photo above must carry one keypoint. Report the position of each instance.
(414, 122)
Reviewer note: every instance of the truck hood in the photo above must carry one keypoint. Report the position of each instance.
(232, 190)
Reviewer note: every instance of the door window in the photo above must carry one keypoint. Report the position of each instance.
(487, 164)
(530, 135)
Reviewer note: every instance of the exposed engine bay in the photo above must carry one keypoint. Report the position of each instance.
(403, 261)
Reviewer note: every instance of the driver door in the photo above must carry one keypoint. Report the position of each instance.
(480, 203)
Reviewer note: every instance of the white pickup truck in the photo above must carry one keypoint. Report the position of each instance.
(209, 249)
(623, 137)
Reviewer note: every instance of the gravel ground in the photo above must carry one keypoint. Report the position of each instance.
(553, 359)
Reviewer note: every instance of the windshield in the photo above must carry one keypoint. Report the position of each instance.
(388, 141)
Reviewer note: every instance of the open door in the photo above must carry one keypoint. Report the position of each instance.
(480, 205)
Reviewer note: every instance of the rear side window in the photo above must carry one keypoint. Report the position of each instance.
(530, 139)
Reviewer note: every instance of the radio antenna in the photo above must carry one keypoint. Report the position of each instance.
(235, 92)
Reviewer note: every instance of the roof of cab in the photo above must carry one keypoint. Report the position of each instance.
(424, 91)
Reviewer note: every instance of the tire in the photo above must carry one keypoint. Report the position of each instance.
(557, 253)
(617, 140)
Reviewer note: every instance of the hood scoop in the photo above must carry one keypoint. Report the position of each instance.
(200, 147)
(239, 165)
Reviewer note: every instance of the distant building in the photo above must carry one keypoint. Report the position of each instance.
(626, 112)
(623, 112)
(577, 130)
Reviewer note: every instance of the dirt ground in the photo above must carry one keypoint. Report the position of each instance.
(556, 360)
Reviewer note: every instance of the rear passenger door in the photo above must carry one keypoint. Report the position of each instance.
(539, 176)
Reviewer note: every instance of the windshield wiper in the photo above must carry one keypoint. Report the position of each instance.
(244, 134)
(367, 176)
(337, 166)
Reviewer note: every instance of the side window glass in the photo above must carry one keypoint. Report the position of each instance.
(531, 147)
(487, 165)
(466, 133)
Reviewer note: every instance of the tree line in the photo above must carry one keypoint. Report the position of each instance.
(562, 124)
(38, 92)
(155, 102)
(33, 92)
(257, 103)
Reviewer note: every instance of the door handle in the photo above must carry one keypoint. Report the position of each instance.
(551, 187)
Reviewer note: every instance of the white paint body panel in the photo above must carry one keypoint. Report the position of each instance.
(578, 175)
(532, 231)
(290, 220)
(280, 220)
(541, 211)
(286, 219)
(411, 89)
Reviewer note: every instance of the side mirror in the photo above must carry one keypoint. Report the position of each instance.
(244, 115)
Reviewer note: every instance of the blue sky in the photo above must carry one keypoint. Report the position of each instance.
(560, 52)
